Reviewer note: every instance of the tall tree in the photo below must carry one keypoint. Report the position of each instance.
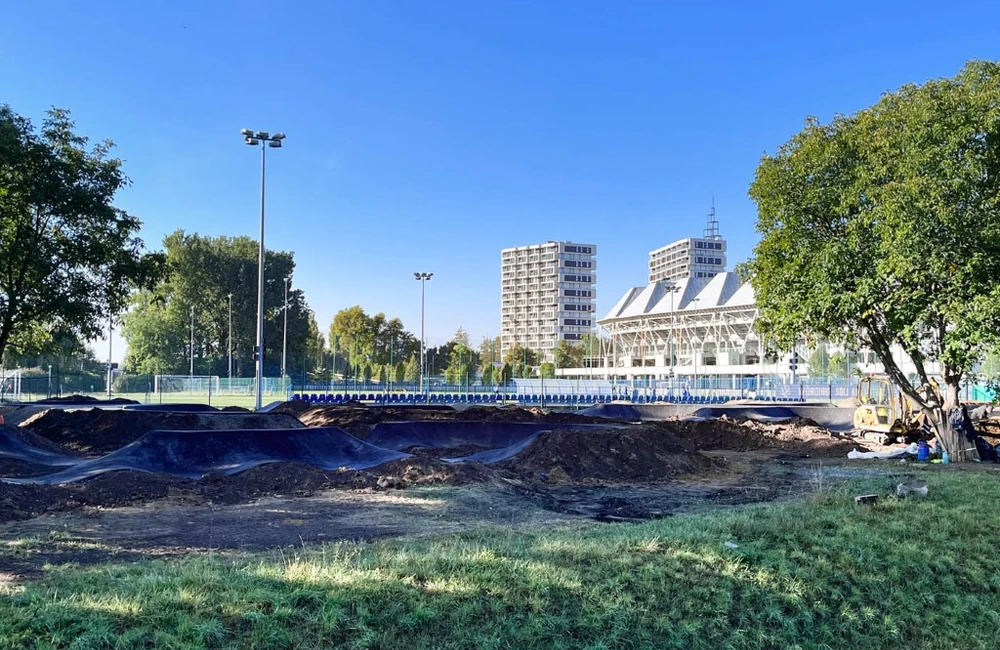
(69, 259)
(376, 338)
(882, 228)
(522, 361)
(203, 273)
(461, 365)
(819, 362)
(568, 354)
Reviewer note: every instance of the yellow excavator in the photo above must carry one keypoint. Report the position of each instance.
(884, 413)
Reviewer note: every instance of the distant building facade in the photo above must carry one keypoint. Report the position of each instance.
(548, 293)
(694, 257)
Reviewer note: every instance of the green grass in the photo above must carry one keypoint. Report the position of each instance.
(816, 573)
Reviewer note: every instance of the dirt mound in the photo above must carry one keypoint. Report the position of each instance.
(31, 438)
(359, 419)
(85, 399)
(794, 437)
(597, 455)
(101, 431)
(116, 489)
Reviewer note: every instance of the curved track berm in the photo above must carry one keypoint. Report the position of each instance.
(831, 417)
(194, 454)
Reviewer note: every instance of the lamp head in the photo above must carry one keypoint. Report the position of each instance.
(246, 132)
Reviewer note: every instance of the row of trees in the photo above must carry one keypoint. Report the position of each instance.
(205, 275)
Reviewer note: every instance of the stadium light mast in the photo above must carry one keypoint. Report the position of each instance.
(673, 289)
(265, 140)
(192, 345)
(284, 333)
(422, 278)
(230, 341)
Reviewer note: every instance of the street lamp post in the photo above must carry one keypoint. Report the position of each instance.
(284, 333)
(230, 341)
(111, 329)
(265, 140)
(192, 344)
(694, 353)
(422, 278)
(673, 289)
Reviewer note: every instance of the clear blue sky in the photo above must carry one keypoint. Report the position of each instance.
(428, 135)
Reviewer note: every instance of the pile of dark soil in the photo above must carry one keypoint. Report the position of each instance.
(639, 454)
(802, 438)
(101, 431)
(116, 489)
(85, 399)
(358, 420)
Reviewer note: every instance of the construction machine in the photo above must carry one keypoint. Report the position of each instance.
(884, 413)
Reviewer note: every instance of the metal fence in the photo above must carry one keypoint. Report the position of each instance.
(241, 391)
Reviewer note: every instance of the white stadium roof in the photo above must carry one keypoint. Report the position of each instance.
(724, 290)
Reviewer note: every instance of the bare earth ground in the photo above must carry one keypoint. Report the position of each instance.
(176, 526)
(565, 478)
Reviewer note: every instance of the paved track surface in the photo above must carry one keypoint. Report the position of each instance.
(831, 417)
(13, 445)
(193, 454)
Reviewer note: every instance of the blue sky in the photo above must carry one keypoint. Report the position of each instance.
(428, 135)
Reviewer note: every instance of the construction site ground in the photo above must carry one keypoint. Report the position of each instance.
(565, 477)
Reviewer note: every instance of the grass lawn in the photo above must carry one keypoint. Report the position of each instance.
(816, 573)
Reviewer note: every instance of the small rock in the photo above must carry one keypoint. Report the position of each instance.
(387, 482)
(913, 488)
(731, 545)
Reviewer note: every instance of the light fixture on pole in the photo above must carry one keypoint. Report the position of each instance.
(284, 333)
(672, 289)
(230, 340)
(111, 329)
(265, 140)
(192, 343)
(422, 278)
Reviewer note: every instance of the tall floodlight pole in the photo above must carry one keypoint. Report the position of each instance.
(265, 140)
(422, 278)
(673, 289)
(192, 343)
(284, 333)
(111, 329)
(230, 340)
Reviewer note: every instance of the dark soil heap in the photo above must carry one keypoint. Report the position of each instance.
(802, 437)
(607, 455)
(358, 419)
(101, 431)
(116, 489)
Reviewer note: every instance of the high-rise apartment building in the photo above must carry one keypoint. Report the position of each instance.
(694, 257)
(548, 293)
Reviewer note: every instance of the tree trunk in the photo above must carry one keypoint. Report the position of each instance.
(951, 438)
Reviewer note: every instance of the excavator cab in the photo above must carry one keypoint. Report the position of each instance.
(883, 412)
(879, 408)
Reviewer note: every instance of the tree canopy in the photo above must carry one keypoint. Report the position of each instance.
(882, 228)
(69, 259)
(375, 340)
(203, 273)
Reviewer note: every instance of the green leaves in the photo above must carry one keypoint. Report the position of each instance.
(205, 273)
(68, 257)
(883, 227)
